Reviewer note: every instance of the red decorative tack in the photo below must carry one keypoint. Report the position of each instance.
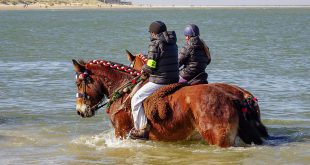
(107, 111)
(134, 81)
(244, 110)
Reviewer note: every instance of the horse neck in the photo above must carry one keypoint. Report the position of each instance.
(110, 78)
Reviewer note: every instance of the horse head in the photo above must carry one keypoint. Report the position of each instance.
(89, 90)
(95, 80)
(137, 61)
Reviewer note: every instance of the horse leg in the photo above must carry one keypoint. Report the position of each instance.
(122, 124)
(218, 125)
(256, 124)
(217, 132)
(215, 115)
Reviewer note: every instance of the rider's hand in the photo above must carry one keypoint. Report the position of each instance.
(144, 75)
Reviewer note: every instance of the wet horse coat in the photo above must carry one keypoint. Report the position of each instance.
(207, 109)
(249, 102)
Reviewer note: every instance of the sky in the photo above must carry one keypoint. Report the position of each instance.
(221, 2)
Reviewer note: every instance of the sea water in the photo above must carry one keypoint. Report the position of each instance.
(264, 50)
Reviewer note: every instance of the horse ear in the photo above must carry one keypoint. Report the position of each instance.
(77, 66)
(130, 56)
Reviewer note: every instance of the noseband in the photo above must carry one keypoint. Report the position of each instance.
(86, 79)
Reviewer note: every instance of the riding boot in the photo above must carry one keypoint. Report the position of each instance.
(142, 134)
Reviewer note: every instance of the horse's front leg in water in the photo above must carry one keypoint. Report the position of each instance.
(122, 124)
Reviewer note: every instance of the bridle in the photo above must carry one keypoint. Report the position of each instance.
(84, 76)
(86, 79)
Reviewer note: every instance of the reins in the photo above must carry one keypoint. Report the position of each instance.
(124, 89)
(99, 105)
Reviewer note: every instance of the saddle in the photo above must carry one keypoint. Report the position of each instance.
(156, 107)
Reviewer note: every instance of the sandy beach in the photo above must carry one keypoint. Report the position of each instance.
(65, 6)
(79, 6)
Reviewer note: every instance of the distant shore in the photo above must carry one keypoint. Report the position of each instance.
(107, 6)
(38, 6)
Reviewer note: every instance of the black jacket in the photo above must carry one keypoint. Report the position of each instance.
(162, 57)
(194, 59)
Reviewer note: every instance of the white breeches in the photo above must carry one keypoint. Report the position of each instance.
(138, 114)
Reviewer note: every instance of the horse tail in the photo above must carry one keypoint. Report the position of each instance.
(251, 103)
(258, 123)
(250, 130)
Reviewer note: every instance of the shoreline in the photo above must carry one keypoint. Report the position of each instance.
(4, 7)
(74, 6)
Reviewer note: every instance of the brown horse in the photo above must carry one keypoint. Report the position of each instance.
(251, 102)
(216, 115)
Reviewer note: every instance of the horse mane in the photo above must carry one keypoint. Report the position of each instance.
(114, 74)
(96, 65)
(82, 62)
(143, 58)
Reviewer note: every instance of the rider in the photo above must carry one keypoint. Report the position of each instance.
(162, 66)
(194, 56)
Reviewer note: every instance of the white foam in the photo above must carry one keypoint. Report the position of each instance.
(108, 140)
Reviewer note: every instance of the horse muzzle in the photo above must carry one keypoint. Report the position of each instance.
(84, 111)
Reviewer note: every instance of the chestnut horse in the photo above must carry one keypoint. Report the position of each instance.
(216, 115)
(252, 103)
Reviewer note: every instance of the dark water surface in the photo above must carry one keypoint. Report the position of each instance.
(266, 51)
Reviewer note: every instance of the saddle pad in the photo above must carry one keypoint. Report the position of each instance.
(156, 106)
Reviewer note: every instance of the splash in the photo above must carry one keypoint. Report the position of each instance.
(107, 140)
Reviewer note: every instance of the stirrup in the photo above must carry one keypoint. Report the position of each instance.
(142, 134)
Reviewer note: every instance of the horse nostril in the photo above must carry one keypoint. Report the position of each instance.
(78, 112)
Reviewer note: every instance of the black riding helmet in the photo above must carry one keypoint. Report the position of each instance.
(157, 27)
